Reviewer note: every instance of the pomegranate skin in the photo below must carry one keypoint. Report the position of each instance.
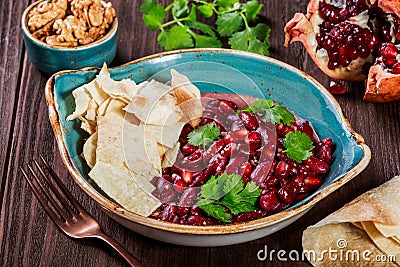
(382, 86)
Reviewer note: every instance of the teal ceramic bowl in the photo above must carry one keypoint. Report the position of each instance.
(50, 59)
(223, 71)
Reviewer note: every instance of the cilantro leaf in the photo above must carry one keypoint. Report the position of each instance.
(180, 8)
(175, 38)
(240, 200)
(229, 23)
(249, 39)
(217, 212)
(206, 41)
(273, 112)
(252, 8)
(281, 114)
(204, 135)
(206, 10)
(227, 191)
(298, 146)
(225, 4)
(154, 14)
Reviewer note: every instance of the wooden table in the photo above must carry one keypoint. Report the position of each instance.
(29, 238)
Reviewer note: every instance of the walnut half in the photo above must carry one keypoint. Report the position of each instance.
(71, 22)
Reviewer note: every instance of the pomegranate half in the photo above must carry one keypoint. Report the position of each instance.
(352, 40)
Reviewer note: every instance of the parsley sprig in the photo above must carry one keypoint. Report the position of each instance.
(204, 135)
(298, 146)
(227, 192)
(233, 21)
(273, 112)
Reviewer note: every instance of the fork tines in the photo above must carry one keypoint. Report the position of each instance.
(52, 192)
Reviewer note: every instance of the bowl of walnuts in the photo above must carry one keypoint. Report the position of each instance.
(69, 34)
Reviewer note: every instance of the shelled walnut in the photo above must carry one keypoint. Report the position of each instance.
(70, 23)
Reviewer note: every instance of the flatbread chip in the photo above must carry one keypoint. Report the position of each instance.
(170, 156)
(123, 189)
(124, 90)
(82, 99)
(155, 105)
(96, 92)
(103, 107)
(91, 112)
(89, 150)
(167, 135)
(188, 96)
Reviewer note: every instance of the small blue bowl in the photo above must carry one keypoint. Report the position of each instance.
(225, 71)
(50, 59)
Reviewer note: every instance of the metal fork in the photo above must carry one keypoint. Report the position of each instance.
(73, 221)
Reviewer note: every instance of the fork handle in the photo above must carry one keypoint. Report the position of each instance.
(120, 249)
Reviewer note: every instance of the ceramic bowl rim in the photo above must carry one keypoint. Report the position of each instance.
(110, 33)
(202, 230)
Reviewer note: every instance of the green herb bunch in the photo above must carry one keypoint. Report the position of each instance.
(234, 20)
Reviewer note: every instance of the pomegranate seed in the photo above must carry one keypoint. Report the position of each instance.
(247, 216)
(269, 201)
(187, 176)
(388, 50)
(396, 68)
(337, 88)
(182, 211)
(245, 168)
(179, 186)
(167, 177)
(249, 120)
(226, 105)
(230, 138)
(189, 149)
(389, 61)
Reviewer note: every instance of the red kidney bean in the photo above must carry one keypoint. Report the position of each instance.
(236, 125)
(234, 165)
(247, 216)
(226, 105)
(269, 201)
(199, 179)
(228, 149)
(300, 197)
(166, 171)
(249, 120)
(323, 149)
(287, 193)
(187, 197)
(195, 210)
(268, 133)
(270, 182)
(212, 150)
(189, 149)
(281, 170)
(169, 213)
(317, 165)
(305, 127)
(165, 190)
(313, 182)
(260, 172)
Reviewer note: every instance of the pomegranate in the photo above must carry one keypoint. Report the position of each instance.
(346, 37)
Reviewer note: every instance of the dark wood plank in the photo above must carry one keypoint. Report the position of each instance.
(11, 56)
